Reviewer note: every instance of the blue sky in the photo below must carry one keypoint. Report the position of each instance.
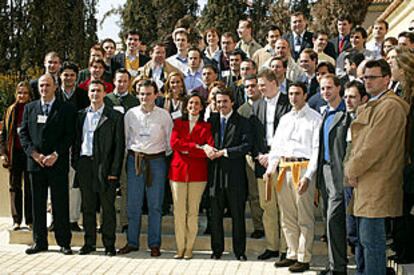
(111, 28)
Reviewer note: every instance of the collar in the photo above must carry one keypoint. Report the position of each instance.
(99, 111)
(120, 95)
(273, 100)
(226, 116)
(301, 112)
(378, 96)
(50, 102)
(340, 107)
(301, 35)
(181, 59)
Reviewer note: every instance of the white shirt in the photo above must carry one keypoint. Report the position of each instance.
(89, 126)
(297, 136)
(179, 62)
(271, 104)
(148, 133)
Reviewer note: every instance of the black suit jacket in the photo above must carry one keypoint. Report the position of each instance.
(56, 134)
(306, 43)
(337, 145)
(229, 172)
(108, 144)
(258, 120)
(79, 99)
(313, 87)
(335, 43)
(118, 61)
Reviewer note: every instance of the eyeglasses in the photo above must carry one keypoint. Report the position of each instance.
(371, 77)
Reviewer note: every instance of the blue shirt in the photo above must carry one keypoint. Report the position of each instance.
(193, 80)
(330, 114)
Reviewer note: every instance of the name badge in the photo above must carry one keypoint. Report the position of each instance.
(145, 132)
(119, 109)
(176, 114)
(41, 119)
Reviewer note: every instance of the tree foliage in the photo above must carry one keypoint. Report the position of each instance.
(326, 12)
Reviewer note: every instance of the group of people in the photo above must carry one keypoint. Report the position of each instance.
(301, 121)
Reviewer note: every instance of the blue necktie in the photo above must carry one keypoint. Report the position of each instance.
(222, 128)
(46, 109)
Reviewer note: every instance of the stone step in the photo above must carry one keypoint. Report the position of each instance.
(253, 246)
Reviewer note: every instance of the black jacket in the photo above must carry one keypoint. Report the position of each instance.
(108, 144)
(306, 43)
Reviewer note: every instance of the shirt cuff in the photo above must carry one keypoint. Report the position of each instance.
(225, 153)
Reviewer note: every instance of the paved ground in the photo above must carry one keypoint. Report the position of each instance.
(13, 260)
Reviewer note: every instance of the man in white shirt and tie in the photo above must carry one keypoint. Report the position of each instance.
(295, 151)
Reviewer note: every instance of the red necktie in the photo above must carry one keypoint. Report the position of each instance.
(341, 44)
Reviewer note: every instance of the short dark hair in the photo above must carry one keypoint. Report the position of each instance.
(358, 85)
(67, 65)
(226, 91)
(185, 103)
(380, 63)
(251, 61)
(229, 34)
(360, 30)
(382, 21)
(331, 68)
(250, 77)
(195, 49)
(343, 17)
(149, 83)
(319, 32)
(334, 78)
(312, 54)
(97, 60)
(274, 28)
(300, 85)
(408, 35)
(122, 71)
(132, 32)
(97, 81)
(355, 58)
(284, 61)
(237, 51)
(110, 40)
(212, 67)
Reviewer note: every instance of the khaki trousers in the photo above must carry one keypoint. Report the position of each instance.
(298, 221)
(186, 199)
(256, 211)
(275, 239)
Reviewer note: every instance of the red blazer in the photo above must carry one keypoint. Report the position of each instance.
(188, 163)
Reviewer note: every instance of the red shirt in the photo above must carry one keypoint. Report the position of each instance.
(109, 87)
(189, 164)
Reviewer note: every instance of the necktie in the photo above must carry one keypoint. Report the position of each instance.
(222, 128)
(341, 44)
(46, 109)
(298, 41)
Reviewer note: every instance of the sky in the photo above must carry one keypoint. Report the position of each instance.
(111, 26)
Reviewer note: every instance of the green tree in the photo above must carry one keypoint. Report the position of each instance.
(326, 12)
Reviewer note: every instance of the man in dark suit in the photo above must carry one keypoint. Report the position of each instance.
(52, 65)
(121, 100)
(299, 38)
(332, 148)
(227, 177)
(342, 41)
(308, 60)
(46, 134)
(266, 115)
(98, 154)
(131, 59)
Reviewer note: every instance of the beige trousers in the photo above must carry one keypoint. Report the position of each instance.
(298, 221)
(186, 199)
(275, 239)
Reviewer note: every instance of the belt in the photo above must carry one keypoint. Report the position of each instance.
(86, 157)
(286, 159)
(295, 168)
(140, 169)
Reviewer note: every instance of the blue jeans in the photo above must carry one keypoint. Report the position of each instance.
(371, 236)
(155, 196)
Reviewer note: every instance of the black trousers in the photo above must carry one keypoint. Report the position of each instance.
(57, 180)
(92, 193)
(17, 173)
(236, 205)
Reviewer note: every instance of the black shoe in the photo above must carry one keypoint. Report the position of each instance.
(285, 263)
(207, 231)
(124, 228)
(86, 249)
(110, 251)
(215, 256)
(241, 258)
(299, 267)
(257, 234)
(75, 227)
(34, 249)
(66, 250)
(282, 256)
(268, 254)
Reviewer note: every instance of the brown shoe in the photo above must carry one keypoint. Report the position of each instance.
(285, 263)
(127, 249)
(155, 251)
(299, 267)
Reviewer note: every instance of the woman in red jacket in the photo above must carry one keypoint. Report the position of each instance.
(188, 172)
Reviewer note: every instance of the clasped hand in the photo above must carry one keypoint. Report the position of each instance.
(213, 153)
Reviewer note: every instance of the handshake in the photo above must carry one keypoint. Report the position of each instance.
(211, 152)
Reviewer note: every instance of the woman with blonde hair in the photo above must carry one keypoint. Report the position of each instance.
(174, 94)
(14, 157)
